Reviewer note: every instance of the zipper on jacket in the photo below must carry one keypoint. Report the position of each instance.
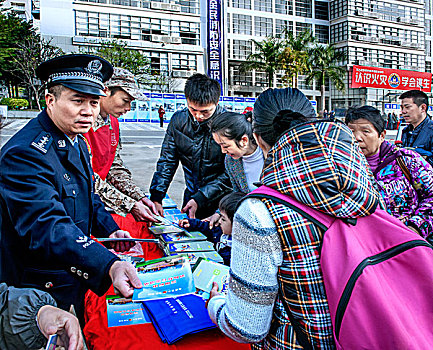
(372, 260)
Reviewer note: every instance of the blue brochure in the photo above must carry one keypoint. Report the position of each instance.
(176, 317)
(164, 279)
(125, 312)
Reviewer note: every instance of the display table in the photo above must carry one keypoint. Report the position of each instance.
(141, 337)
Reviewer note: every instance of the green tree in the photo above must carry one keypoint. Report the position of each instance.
(13, 31)
(295, 56)
(29, 53)
(324, 61)
(119, 55)
(267, 57)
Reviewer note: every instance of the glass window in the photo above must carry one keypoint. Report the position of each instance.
(321, 10)
(241, 49)
(322, 33)
(263, 5)
(280, 25)
(302, 27)
(242, 4)
(242, 24)
(304, 8)
(284, 6)
(263, 26)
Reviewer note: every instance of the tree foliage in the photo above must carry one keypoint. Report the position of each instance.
(323, 65)
(119, 55)
(266, 57)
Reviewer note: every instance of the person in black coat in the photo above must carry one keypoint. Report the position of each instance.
(48, 205)
(188, 140)
(419, 133)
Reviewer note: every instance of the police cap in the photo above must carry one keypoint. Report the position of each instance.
(79, 72)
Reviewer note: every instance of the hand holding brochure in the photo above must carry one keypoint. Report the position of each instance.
(164, 279)
(205, 272)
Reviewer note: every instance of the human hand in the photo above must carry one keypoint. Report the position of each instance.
(148, 203)
(184, 223)
(52, 320)
(213, 220)
(125, 278)
(141, 212)
(190, 208)
(159, 209)
(121, 246)
(213, 292)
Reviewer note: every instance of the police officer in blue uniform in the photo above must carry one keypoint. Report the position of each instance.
(48, 206)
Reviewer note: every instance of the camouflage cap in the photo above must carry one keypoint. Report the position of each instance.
(124, 79)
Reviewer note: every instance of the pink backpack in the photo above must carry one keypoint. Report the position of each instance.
(378, 278)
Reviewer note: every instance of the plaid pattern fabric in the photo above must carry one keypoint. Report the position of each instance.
(321, 165)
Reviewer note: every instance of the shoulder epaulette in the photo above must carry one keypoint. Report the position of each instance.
(42, 142)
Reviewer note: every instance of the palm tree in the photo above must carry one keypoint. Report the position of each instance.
(295, 56)
(323, 66)
(267, 57)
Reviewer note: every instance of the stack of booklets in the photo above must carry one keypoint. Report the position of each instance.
(175, 240)
(168, 299)
(176, 317)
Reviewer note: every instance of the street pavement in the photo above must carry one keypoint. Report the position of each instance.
(141, 147)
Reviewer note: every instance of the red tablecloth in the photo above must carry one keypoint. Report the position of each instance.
(141, 337)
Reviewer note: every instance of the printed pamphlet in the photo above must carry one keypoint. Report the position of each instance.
(125, 312)
(205, 272)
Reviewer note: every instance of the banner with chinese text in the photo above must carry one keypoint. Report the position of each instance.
(395, 79)
(214, 44)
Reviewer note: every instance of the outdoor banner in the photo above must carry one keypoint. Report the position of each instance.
(394, 79)
(227, 103)
(169, 105)
(239, 104)
(180, 102)
(214, 41)
(143, 109)
(156, 101)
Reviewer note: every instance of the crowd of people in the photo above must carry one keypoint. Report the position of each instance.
(62, 181)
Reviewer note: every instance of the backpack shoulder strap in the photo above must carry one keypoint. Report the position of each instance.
(323, 221)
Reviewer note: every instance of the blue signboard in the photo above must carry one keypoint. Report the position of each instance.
(214, 42)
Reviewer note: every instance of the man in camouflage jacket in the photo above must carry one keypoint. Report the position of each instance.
(113, 180)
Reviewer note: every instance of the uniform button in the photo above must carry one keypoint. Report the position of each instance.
(79, 272)
(73, 191)
(85, 275)
(48, 285)
(73, 269)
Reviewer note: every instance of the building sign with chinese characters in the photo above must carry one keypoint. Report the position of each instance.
(214, 44)
(394, 79)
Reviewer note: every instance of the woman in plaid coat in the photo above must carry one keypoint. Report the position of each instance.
(275, 250)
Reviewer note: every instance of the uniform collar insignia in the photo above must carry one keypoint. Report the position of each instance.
(42, 142)
(61, 143)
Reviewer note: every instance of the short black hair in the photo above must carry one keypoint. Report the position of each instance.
(233, 126)
(229, 203)
(56, 90)
(418, 97)
(201, 89)
(115, 89)
(368, 113)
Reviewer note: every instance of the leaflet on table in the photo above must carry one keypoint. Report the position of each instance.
(172, 211)
(125, 312)
(160, 229)
(194, 256)
(182, 237)
(175, 317)
(202, 246)
(205, 272)
(167, 202)
(164, 279)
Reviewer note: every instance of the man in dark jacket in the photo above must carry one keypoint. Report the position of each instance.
(47, 202)
(419, 133)
(188, 139)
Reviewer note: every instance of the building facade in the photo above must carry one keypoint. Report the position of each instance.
(387, 34)
(257, 19)
(23, 8)
(168, 33)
